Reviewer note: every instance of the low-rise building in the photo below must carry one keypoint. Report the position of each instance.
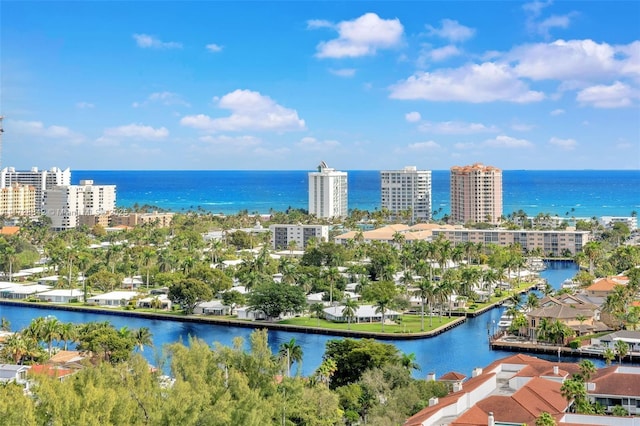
(285, 236)
(364, 313)
(159, 219)
(114, 298)
(61, 295)
(551, 243)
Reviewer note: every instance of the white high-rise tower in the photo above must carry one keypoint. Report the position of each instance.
(328, 192)
(407, 190)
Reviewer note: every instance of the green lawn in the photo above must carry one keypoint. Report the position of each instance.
(407, 324)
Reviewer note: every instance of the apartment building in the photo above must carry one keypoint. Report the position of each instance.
(18, 200)
(283, 235)
(328, 193)
(407, 190)
(552, 243)
(476, 194)
(160, 219)
(39, 179)
(65, 205)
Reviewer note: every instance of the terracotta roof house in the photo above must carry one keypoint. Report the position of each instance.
(517, 389)
(604, 286)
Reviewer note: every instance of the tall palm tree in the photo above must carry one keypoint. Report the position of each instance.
(349, 310)
(408, 361)
(68, 333)
(426, 292)
(290, 352)
(317, 309)
(382, 304)
(51, 331)
(332, 275)
(621, 348)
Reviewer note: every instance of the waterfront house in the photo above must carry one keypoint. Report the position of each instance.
(114, 298)
(13, 373)
(159, 301)
(56, 372)
(23, 291)
(605, 286)
(246, 313)
(616, 386)
(212, 307)
(364, 313)
(61, 295)
(630, 337)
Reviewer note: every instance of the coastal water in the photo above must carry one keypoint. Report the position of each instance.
(460, 349)
(582, 193)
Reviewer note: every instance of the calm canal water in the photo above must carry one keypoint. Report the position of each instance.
(460, 349)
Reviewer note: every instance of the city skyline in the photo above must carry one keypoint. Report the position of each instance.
(363, 86)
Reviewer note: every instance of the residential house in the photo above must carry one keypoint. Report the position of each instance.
(364, 313)
(114, 298)
(61, 295)
(13, 373)
(23, 291)
(604, 286)
(159, 301)
(630, 337)
(212, 307)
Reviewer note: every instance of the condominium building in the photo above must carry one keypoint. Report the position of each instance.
(552, 243)
(18, 200)
(407, 190)
(283, 235)
(159, 219)
(476, 194)
(64, 205)
(39, 179)
(328, 192)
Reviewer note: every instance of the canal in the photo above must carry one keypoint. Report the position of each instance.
(460, 349)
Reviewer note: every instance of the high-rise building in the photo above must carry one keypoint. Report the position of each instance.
(476, 194)
(407, 190)
(65, 205)
(18, 200)
(39, 179)
(328, 192)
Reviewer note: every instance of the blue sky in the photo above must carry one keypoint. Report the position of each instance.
(284, 85)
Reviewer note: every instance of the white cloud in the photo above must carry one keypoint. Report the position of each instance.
(617, 95)
(442, 53)
(555, 21)
(313, 144)
(452, 30)
(84, 105)
(424, 145)
(456, 128)
(164, 98)
(215, 48)
(522, 127)
(146, 41)
(565, 144)
(557, 112)
(535, 8)
(313, 24)
(486, 82)
(362, 36)
(413, 117)
(578, 60)
(249, 111)
(238, 141)
(343, 72)
(136, 131)
(38, 129)
(503, 141)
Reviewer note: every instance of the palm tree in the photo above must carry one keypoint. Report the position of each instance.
(622, 349)
(587, 370)
(608, 356)
(317, 309)
(51, 331)
(147, 258)
(545, 419)
(15, 346)
(5, 324)
(332, 275)
(382, 304)
(349, 310)
(325, 371)
(68, 333)
(426, 292)
(142, 337)
(408, 361)
(532, 302)
(291, 352)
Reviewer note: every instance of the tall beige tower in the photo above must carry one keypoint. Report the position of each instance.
(407, 190)
(476, 194)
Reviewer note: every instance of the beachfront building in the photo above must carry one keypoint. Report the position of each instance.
(407, 190)
(328, 193)
(296, 236)
(159, 219)
(551, 243)
(609, 221)
(18, 200)
(39, 179)
(476, 194)
(65, 205)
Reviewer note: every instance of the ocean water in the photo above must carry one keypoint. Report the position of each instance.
(583, 193)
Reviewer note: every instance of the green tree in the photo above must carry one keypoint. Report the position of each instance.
(188, 293)
(274, 299)
(290, 352)
(545, 419)
(349, 310)
(142, 337)
(621, 349)
(317, 309)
